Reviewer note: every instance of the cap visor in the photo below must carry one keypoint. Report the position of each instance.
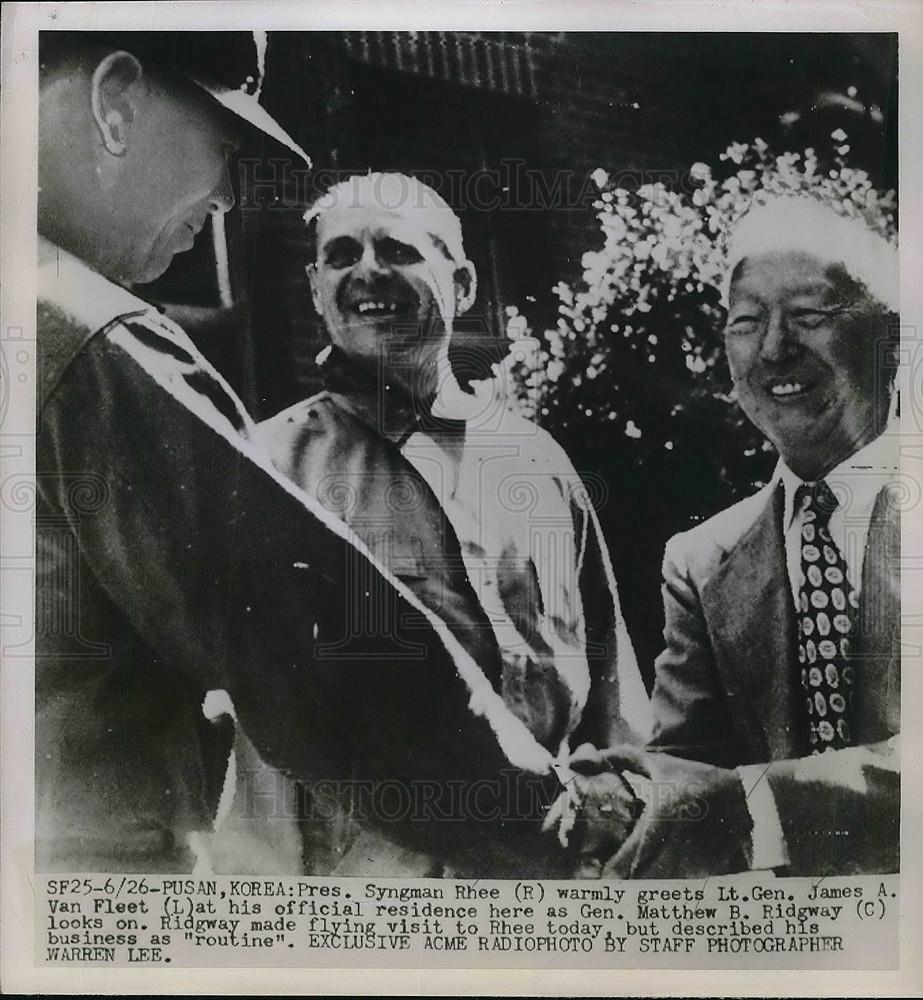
(245, 106)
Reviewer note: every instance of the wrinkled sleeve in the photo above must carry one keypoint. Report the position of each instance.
(690, 710)
(241, 585)
(839, 812)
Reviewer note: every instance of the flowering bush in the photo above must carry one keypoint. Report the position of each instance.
(633, 372)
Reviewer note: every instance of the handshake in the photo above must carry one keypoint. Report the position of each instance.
(631, 813)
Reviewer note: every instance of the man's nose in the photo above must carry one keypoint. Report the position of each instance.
(222, 198)
(779, 342)
(370, 262)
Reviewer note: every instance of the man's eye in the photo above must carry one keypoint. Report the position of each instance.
(742, 324)
(811, 319)
(342, 253)
(395, 252)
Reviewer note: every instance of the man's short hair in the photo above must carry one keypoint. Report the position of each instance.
(57, 49)
(864, 260)
(400, 193)
(804, 224)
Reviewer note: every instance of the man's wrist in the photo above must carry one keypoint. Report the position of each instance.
(767, 847)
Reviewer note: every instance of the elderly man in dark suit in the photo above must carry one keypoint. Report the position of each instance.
(780, 676)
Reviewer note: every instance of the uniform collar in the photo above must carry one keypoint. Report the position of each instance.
(81, 293)
(387, 408)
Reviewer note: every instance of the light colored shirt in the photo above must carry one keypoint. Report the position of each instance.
(534, 561)
(482, 516)
(504, 496)
(856, 483)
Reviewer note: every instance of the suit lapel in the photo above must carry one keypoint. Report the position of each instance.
(748, 605)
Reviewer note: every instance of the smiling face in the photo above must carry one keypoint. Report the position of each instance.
(386, 286)
(803, 348)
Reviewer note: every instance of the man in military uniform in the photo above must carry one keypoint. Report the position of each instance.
(477, 510)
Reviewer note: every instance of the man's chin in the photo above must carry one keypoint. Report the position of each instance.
(406, 326)
(154, 267)
(792, 410)
(812, 444)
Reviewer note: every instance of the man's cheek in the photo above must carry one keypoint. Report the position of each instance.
(330, 305)
(737, 371)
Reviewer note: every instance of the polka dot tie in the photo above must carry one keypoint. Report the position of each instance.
(827, 607)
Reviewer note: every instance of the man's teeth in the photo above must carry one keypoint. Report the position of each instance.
(365, 307)
(787, 389)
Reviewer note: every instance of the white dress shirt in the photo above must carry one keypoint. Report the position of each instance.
(856, 483)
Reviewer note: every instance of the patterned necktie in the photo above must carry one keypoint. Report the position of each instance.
(827, 606)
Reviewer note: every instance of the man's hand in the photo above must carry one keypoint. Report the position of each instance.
(695, 821)
(609, 811)
(594, 814)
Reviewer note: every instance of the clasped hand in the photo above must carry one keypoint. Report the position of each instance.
(631, 813)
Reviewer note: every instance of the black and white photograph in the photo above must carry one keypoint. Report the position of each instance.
(467, 455)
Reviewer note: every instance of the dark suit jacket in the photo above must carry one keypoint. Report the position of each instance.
(726, 684)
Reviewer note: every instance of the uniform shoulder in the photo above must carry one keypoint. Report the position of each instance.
(298, 412)
(534, 440)
(313, 415)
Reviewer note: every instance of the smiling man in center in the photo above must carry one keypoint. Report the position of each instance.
(477, 510)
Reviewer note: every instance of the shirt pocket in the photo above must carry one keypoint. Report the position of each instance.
(403, 556)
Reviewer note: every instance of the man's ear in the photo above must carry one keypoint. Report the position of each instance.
(311, 272)
(113, 102)
(466, 287)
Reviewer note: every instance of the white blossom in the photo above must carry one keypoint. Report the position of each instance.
(666, 250)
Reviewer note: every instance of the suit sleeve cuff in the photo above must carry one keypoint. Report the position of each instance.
(767, 840)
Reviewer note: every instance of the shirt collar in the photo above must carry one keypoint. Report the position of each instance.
(80, 292)
(878, 456)
(386, 408)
